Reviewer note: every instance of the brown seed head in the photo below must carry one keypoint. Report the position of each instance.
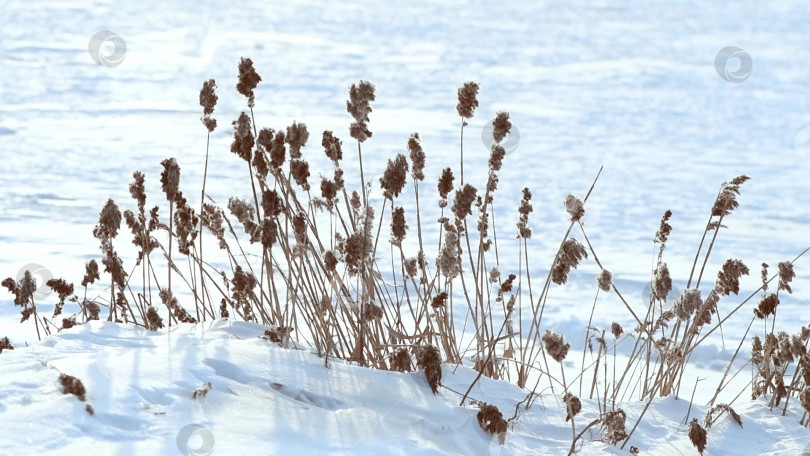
(467, 99)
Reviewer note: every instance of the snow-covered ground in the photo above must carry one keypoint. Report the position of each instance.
(628, 85)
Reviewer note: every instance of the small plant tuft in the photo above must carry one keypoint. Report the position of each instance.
(72, 385)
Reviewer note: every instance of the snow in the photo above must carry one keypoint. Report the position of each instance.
(631, 86)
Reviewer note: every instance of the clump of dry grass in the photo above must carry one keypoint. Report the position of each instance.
(302, 255)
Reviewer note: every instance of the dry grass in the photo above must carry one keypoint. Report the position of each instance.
(305, 259)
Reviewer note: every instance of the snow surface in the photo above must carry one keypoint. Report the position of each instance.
(628, 85)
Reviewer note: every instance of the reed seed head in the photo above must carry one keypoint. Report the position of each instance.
(359, 106)
(248, 79)
(664, 229)
(555, 345)
(269, 233)
(297, 136)
(208, 100)
(501, 126)
(686, 305)
(90, 273)
(440, 300)
(572, 406)
(728, 279)
(332, 146)
(393, 179)
(109, 221)
(137, 190)
(662, 284)
(398, 226)
(569, 256)
(462, 204)
(242, 144)
(429, 359)
(417, 157)
(605, 280)
(445, 183)
(467, 100)
(300, 172)
(786, 275)
(616, 329)
(574, 207)
(496, 158)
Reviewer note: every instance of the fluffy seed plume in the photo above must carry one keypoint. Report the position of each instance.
(728, 279)
(429, 359)
(417, 157)
(359, 106)
(398, 226)
(664, 229)
(297, 136)
(613, 426)
(208, 100)
(524, 232)
(445, 185)
(662, 284)
(467, 99)
(568, 257)
(786, 275)
(248, 79)
(491, 420)
(462, 205)
(393, 179)
(687, 303)
(242, 144)
(556, 346)
(501, 126)
(697, 435)
(574, 207)
(109, 221)
(572, 405)
(605, 280)
(332, 146)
